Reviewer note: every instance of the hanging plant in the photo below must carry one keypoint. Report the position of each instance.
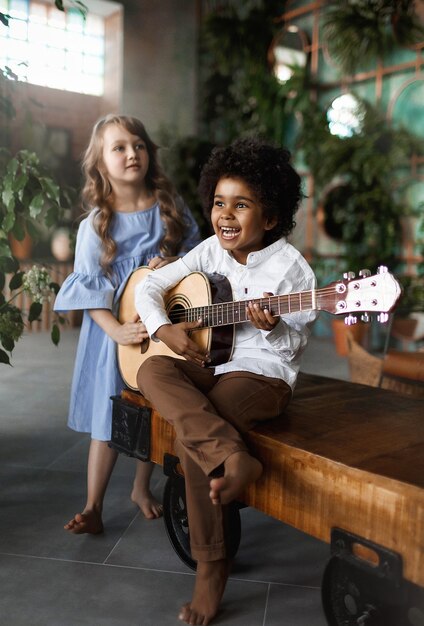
(359, 31)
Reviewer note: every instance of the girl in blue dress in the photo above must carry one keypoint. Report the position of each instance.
(137, 219)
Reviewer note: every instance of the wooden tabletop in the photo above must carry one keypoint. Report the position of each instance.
(371, 429)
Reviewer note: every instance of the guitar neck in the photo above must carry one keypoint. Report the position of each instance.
(225, 313)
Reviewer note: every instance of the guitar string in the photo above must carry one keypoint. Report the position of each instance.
(235, 306)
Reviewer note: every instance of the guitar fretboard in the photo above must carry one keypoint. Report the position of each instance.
(225, 313)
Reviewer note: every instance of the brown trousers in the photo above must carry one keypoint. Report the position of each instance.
(209, 414)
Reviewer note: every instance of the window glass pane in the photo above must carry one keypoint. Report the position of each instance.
(94, 25)
(50, 47)
(93, 65)
(75, 21)
(38, 13)
(56, 59)
(37, 54)
(18, 29)
(16, 49)
(74, 62)
(55, 38)
(75, 41)
(56, 79)
(94, 45)
(92, 85)
(57, 18)
(38, 33)
(18, 8)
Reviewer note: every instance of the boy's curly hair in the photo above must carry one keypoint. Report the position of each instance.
(266, 170)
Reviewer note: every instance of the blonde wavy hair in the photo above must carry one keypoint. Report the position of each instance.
(97, 190)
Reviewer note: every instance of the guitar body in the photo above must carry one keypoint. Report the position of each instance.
(196, 290)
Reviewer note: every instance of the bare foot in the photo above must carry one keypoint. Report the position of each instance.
(240, 469)
(148, 505)
(211, 578)
(89, 521)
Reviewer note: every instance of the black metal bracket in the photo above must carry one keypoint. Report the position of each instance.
(170, 462)
(388, 565)
(130, 429)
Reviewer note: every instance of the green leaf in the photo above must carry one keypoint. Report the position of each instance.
(35, 311)
(4, 358)
(7, 343)
(9, 264)
(55, 287)
(4, 19)
(16, 281)
(59, 5)
(32, 229)
(8, 222)
(36, 205)
(8, 198)
(12, 167)
(52, 216)
(55, 334)
(50, 188)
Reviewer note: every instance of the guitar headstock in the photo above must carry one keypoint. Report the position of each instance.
(366, 294)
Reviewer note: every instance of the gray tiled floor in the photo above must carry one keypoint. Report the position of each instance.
(130, 575)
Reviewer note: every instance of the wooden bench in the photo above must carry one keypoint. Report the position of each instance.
(345, 464)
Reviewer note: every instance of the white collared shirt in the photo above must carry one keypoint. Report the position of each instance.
(279, 268)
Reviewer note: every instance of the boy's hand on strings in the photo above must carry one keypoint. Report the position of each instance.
(261, 318)
(161, 261)
(131, 332)
(177, 339)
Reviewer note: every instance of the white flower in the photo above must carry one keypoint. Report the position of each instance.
(36, 282)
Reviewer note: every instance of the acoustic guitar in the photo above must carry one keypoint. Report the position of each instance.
(209, 297)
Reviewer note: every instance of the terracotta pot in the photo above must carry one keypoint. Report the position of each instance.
(21, 250)
(359, 332)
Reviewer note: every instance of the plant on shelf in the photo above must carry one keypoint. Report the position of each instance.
(360, 31)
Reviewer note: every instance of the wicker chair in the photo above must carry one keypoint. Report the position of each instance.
(402, 372)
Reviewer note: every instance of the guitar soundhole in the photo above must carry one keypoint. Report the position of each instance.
(144, 346)
(176, 314)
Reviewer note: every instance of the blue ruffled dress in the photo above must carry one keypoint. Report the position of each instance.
(96, 375)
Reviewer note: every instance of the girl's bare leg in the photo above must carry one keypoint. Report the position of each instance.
(101, 461)
(141, 494)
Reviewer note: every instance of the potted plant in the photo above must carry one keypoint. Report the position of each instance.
(30, 201)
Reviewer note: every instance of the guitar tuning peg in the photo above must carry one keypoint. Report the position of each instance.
(382, 269)
(349, 275)
(382, 317)
(349, 320)
(364, 273)
(365, 318)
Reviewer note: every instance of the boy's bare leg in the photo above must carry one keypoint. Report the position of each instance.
(101, 461)
(141, 494)
(211, 578)
(240, 469)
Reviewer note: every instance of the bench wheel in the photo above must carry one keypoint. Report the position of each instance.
(352, 596)
(176, 521)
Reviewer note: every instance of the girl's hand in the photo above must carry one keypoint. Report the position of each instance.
(130, 332)
(176, 337)
(261, 318)
(161, 261)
